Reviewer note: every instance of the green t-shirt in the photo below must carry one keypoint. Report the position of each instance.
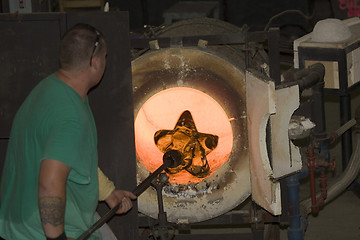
(52, 123)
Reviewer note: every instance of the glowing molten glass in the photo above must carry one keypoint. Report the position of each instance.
(193, 145)
(202, 132)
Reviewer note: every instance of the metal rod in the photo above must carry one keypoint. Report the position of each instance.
(345, 127)
(274, 54)
(346, 137)
(171, 158)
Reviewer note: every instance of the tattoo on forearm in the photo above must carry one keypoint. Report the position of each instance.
(52, 210)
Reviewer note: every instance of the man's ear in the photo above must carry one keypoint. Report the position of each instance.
(95, 62)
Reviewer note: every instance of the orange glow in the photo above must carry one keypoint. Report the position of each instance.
(162, 111)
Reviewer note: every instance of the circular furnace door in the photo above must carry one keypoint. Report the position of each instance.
(193, 101)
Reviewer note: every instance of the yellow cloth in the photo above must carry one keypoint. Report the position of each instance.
(106, 187)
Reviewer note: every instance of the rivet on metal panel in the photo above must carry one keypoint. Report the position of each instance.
(202, 43)
(182, 221)
(154, 45)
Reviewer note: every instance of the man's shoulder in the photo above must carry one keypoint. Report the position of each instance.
(51, 99)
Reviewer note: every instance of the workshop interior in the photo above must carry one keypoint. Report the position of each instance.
(228, 119)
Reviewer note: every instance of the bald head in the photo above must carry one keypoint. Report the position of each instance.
(79, 45)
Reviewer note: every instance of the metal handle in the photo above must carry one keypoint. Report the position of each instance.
(171, 158)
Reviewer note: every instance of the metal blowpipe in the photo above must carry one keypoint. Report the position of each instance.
(172, 159)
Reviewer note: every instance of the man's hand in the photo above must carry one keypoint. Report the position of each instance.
(123, 197)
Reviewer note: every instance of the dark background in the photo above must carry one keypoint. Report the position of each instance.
(255, 13)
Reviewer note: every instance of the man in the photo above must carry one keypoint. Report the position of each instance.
(49, 187)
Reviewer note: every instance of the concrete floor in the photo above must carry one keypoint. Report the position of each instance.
(339, 220)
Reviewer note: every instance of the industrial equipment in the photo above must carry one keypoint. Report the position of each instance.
(216, 94)
(206, 88)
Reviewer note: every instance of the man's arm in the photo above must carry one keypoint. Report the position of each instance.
(52, 196)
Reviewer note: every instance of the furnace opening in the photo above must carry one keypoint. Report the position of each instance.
(188, 120)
